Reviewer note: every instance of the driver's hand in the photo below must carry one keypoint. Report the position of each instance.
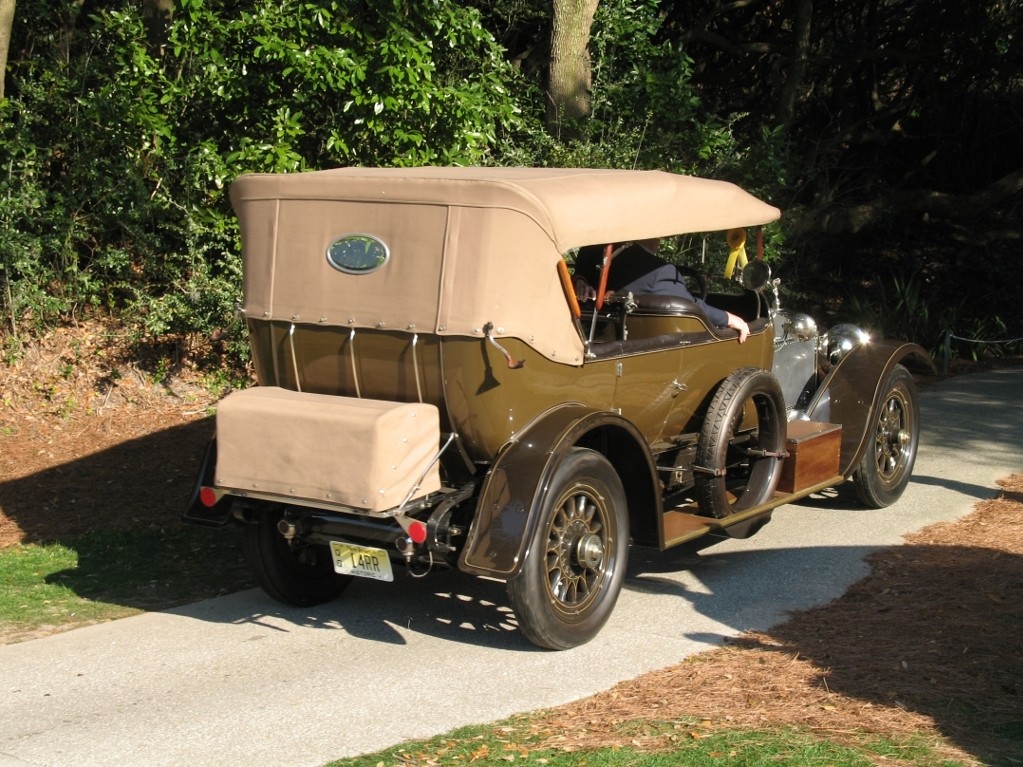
(738, 323)
(583, 290)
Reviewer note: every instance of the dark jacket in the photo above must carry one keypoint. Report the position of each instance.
(636, 270)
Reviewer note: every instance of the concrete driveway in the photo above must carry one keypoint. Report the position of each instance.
(241, 680)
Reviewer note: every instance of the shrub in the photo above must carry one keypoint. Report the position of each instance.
(114, 196)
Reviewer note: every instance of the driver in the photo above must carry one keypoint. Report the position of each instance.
(638, 269)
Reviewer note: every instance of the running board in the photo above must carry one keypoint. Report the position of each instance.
(683, 523)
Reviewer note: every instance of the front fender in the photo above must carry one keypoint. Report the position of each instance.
(852, 390)
(513, 492)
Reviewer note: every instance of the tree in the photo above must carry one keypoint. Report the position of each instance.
(874, 96)
(801, 49)
(569, 77)
(902, 122)
(128, 123)
(6, 27)
(156, 17)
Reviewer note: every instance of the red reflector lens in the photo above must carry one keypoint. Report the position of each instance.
(208, 497)
(417, 532)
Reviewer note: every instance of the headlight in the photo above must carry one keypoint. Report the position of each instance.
(842, 339)
(801, 327)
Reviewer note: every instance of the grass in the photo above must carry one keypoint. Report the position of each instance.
(107, 575)
(31, 601)
(516, 743)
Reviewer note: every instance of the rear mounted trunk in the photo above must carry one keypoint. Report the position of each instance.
(323, 450)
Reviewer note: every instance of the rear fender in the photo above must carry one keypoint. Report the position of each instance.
(197, 512)
(852, 391)
(513, 492)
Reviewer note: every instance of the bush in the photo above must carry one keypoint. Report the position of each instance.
(114, 196)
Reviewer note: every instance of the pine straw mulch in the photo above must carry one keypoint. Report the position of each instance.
(931, 643)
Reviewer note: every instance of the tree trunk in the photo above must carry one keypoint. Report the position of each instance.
(6, 25)
(570, 78)
(798, 66)
(156, 16)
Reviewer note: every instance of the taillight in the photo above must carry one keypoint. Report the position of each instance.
(417, 531)
(208, 497)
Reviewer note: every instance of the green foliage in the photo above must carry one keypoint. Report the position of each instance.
(647, 113)
(302, 84)
(22, 213)
(113, 194)
(115, 159)
(897, 308)
(642, 85)
(916, 309)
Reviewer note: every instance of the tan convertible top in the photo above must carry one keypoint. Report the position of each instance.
(468, 246)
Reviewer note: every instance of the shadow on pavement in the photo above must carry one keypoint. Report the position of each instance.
(448, 605)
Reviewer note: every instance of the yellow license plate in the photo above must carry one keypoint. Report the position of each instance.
(361, 561)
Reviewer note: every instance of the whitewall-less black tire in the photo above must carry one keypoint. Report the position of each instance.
(573, 569)
(300, 575)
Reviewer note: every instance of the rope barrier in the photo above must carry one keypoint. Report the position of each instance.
(949, 336)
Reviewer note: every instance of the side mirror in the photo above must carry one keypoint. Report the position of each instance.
(755, 275)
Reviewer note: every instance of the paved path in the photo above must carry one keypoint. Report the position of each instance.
(241, 681)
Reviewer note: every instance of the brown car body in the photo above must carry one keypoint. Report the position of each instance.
(431, 393)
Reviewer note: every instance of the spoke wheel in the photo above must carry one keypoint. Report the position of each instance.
(292, 573)
(738, 454)
(572, 572)
(887, 463)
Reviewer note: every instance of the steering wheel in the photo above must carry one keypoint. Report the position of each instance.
(700, 279)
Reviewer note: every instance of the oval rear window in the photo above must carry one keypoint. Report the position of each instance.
(357, 253)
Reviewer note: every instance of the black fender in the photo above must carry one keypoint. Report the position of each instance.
(852, 391)
(513, 491)
(196, 512)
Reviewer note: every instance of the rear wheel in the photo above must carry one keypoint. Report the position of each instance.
(738, 455)
(296, 574)
(887, 463)
(573, 570)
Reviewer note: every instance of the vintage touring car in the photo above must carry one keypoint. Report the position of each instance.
(431, 393)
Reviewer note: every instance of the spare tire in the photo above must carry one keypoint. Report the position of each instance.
(741, 445)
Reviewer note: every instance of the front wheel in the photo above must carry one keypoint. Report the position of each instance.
(573, 569)
(292, 573)
(887, 463)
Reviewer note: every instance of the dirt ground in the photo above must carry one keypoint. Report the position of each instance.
(929, 645)
(90, 438)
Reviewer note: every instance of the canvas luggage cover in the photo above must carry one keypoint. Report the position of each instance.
(354, 452)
